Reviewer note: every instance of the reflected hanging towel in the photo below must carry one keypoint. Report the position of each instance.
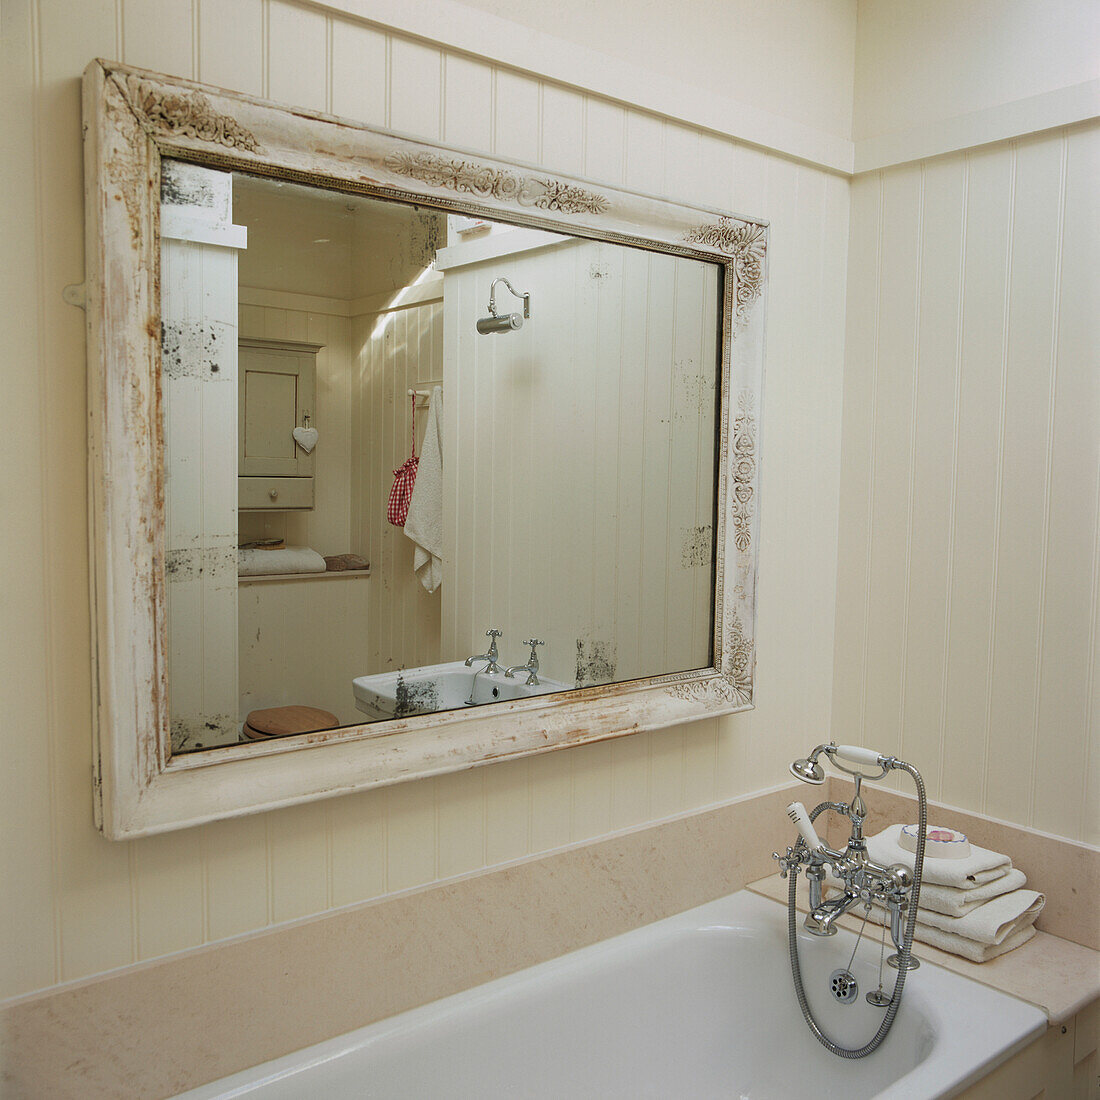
(424, 523)
(404, 478)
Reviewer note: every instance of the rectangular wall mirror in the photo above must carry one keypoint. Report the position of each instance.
(405, 460)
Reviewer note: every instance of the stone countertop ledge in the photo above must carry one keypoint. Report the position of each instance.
(1056, 975)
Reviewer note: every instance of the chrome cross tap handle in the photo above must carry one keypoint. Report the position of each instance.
(787, 862)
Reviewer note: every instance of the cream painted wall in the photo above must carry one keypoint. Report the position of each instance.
(918, 64)
(967, 594)
(724, 48)
(84, 904)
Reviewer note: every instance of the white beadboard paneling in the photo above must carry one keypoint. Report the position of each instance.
(1068, 621)
(893, 427)
(629, 780)
(415, 95)
(857, 452)
(551, 806)
(605, 140)
(360, 73)
(297, 842)
(161, 33)
(988, 221)
(28, 739)
(358, 847)
(1036, 248)
(467, 103)
(235, 876)
(682, 160)
(929, 547)
(715, 169)
(666, 772)
(591, 790)
(700, 760)
(591, 448)
(645, 151)
(297, 55)
(230, 44)
(460, 822)
(507, 811)
(410, 835)
(517, 120)
(395, 351)
(49, 519)
(83, 898)
(169, 894)
(748, 189)
(562, 129)
(994, 483)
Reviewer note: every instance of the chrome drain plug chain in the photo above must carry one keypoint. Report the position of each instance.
(879, 997)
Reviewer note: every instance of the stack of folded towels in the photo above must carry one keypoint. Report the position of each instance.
(973, 906)
(259, 561)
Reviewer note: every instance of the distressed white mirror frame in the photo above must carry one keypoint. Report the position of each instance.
(134, 118)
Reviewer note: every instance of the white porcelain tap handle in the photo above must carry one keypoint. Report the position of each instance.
(854, 754)
(797, 813)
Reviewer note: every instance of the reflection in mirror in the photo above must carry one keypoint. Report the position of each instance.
(386, 452)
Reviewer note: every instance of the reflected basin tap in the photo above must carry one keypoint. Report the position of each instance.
(532, 666)
(493, 657)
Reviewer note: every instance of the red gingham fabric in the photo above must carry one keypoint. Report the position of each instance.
(404, 477)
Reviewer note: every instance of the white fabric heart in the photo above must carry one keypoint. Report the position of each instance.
(306, 438)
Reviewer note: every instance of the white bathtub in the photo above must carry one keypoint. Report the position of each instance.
(699, 1005)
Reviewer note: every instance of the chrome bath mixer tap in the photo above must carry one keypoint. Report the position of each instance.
(864, 882)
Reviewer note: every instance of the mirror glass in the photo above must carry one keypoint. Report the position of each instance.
(437, 426)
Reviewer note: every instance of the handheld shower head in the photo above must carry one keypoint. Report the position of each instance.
(808, 770)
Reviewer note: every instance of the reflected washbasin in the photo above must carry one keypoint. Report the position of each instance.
(429, 688)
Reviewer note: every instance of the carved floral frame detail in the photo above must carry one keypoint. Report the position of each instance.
(134, 118)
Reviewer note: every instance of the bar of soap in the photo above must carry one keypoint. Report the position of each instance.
(940, 842)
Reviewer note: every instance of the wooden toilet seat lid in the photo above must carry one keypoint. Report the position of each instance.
(282, 721)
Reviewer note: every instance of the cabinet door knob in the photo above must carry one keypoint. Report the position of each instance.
(274, 494)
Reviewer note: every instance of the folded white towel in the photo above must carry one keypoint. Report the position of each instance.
(424, 523)
(990, 930)
(953, 902)
(969, 949)
(977, 869)
(294, 559)
(991, 923)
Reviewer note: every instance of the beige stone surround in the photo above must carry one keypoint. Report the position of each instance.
(148, 1031)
